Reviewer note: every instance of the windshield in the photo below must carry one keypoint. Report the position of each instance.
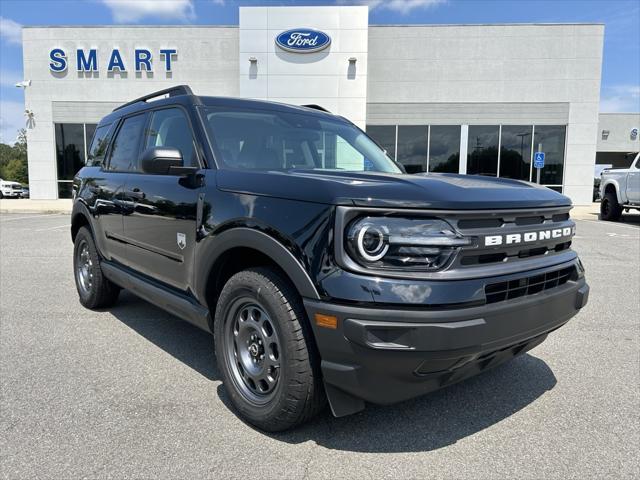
(274, 140)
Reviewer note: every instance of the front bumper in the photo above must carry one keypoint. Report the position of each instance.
(383, 355)
(11, 194)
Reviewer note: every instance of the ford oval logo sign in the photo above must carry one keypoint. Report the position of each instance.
(303, 40)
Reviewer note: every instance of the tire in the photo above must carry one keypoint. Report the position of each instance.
(94, 290)
(265, 351)
(610, 209)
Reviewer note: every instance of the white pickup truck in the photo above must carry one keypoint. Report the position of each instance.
(620, 190)
(10, 189)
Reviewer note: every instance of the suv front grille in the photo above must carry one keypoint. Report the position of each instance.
(501, 291)
(503, 223)
(502, 256)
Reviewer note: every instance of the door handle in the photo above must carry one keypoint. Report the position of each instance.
(136, 193)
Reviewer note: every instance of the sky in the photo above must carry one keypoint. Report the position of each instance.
(621, 59)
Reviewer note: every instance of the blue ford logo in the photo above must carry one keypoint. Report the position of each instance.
(303, 40)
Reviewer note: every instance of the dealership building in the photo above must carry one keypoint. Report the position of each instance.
(471, 99)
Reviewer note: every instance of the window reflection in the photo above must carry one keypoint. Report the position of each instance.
(385, 135)
(412, 147)
(550, 140)
(443, 142)
(515, 151)
(482, 150)
(444, 148)
(69, 149)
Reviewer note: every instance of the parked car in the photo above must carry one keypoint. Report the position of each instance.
(25, 192)
(597, 171)
(324, 271)
(620, 190)
(10, 189)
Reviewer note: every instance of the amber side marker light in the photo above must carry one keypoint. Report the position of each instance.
(326, 321)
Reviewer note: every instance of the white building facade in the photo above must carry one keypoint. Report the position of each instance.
(474, 99)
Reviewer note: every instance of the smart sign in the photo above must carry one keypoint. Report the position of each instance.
(88, 60)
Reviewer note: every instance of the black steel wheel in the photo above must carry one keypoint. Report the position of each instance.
(610, 209)
(94, 290)
(265, 350)
(252, 347)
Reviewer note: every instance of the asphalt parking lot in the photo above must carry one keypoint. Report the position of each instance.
(135, 392)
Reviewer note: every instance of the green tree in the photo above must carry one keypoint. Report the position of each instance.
(13, 160)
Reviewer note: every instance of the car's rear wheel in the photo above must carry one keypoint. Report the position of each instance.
(610, 209)
(94, 289)
(265, 351)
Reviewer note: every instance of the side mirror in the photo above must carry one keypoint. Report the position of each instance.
(159, 160)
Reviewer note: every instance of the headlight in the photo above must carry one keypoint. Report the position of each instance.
(389, 243)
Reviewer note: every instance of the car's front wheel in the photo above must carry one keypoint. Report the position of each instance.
(94, 289)
(610, 209)
(265, 351)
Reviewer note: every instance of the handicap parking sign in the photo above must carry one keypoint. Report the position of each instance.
(538, 160)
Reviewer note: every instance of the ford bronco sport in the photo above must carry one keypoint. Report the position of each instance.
(324, 272)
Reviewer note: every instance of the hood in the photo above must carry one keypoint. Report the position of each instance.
(429, 191)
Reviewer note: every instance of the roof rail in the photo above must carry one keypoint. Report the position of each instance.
(171, 92)
(316, 107)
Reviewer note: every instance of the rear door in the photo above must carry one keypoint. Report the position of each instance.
(160, 227)
(108, 185)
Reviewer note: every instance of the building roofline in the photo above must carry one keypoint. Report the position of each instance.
(370, 25)
(130, 26)
(537, 24)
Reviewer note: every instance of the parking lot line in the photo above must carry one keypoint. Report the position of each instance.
(12, 219)
(600, 222)
(53, 228)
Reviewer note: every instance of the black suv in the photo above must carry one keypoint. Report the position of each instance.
(322, 269)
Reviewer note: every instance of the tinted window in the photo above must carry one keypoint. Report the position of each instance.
(515, 151)
(276, 140)
(412, 147)
(482, 156)
(124, 152)
(550, 140)
(385, 135)
(170, 128)
(444, 148)
(99, 143)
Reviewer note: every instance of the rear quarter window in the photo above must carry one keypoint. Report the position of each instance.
(99, 144)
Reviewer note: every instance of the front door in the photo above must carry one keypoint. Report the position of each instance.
(160, 227)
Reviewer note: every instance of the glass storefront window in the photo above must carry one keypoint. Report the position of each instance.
(515, 151)
(385, 135)
(550, 140)
(412, 147)
(70, 149)
(482, 150)
(72, 140)
(444, 148)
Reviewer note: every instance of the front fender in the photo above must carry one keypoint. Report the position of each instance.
(213, 247)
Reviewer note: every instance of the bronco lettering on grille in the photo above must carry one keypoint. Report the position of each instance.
(527, 237)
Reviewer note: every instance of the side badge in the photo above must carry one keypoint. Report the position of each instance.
(182, 240)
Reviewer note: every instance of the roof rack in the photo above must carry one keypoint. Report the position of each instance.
(171, 92)
(316, 107)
